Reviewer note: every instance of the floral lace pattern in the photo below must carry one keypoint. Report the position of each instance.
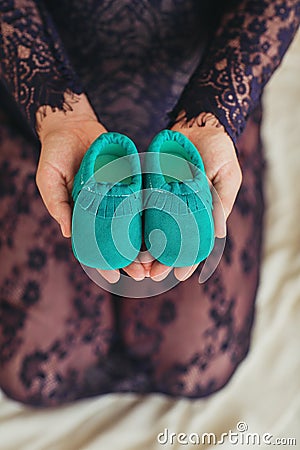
(61, 336)
(239, 61)
(33, 64)
(148, 38)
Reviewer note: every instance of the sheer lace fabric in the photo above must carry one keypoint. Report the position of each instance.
(133, 42)
(64, 338)
(61, 336)
(33, 64)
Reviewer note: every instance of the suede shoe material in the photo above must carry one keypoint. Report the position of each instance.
(179, 228)
(106, 220)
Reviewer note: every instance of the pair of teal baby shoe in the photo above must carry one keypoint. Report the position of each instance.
(111, 196)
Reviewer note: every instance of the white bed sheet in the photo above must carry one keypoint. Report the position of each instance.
(265, 391)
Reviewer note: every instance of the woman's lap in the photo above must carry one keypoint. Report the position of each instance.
(196, 335)
(53, 319)
(58, 339)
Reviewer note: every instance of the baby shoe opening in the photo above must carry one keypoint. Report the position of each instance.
(111, 167)
(175, 162)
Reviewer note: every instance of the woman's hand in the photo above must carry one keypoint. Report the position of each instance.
(65, 138)
(223, 171)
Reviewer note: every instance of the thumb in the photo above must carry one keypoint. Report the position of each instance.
(55, 195)
(226, 185)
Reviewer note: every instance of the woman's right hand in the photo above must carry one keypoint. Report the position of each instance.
(65, 138)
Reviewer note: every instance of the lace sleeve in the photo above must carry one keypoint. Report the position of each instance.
(33, 64)
(247, 48)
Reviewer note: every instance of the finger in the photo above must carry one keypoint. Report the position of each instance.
(135, 270)
(183, 273)
(146, 259)
(159, 271)
(55, 195)
(219, 216)
(112, 276)
(226, 183)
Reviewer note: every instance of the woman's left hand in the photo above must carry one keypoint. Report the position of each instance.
(223, 171)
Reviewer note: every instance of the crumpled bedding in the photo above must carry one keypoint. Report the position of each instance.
(264, 394)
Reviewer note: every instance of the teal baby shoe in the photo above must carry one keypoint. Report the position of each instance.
(179, 227)
(106, 220)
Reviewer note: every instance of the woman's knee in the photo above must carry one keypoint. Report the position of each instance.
(38, 380)
(38, 387)
(198, 379)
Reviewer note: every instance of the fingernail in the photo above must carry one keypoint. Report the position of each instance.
(138, 278)
(162, 276)
(62, 227)
(145, 257)
(184, 276)
(113, 276)
(62, 230)
(179, 278)
(223, 229)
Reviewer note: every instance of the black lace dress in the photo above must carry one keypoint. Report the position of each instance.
(140, 62)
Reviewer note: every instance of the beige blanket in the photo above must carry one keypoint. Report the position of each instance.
(264, 394)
